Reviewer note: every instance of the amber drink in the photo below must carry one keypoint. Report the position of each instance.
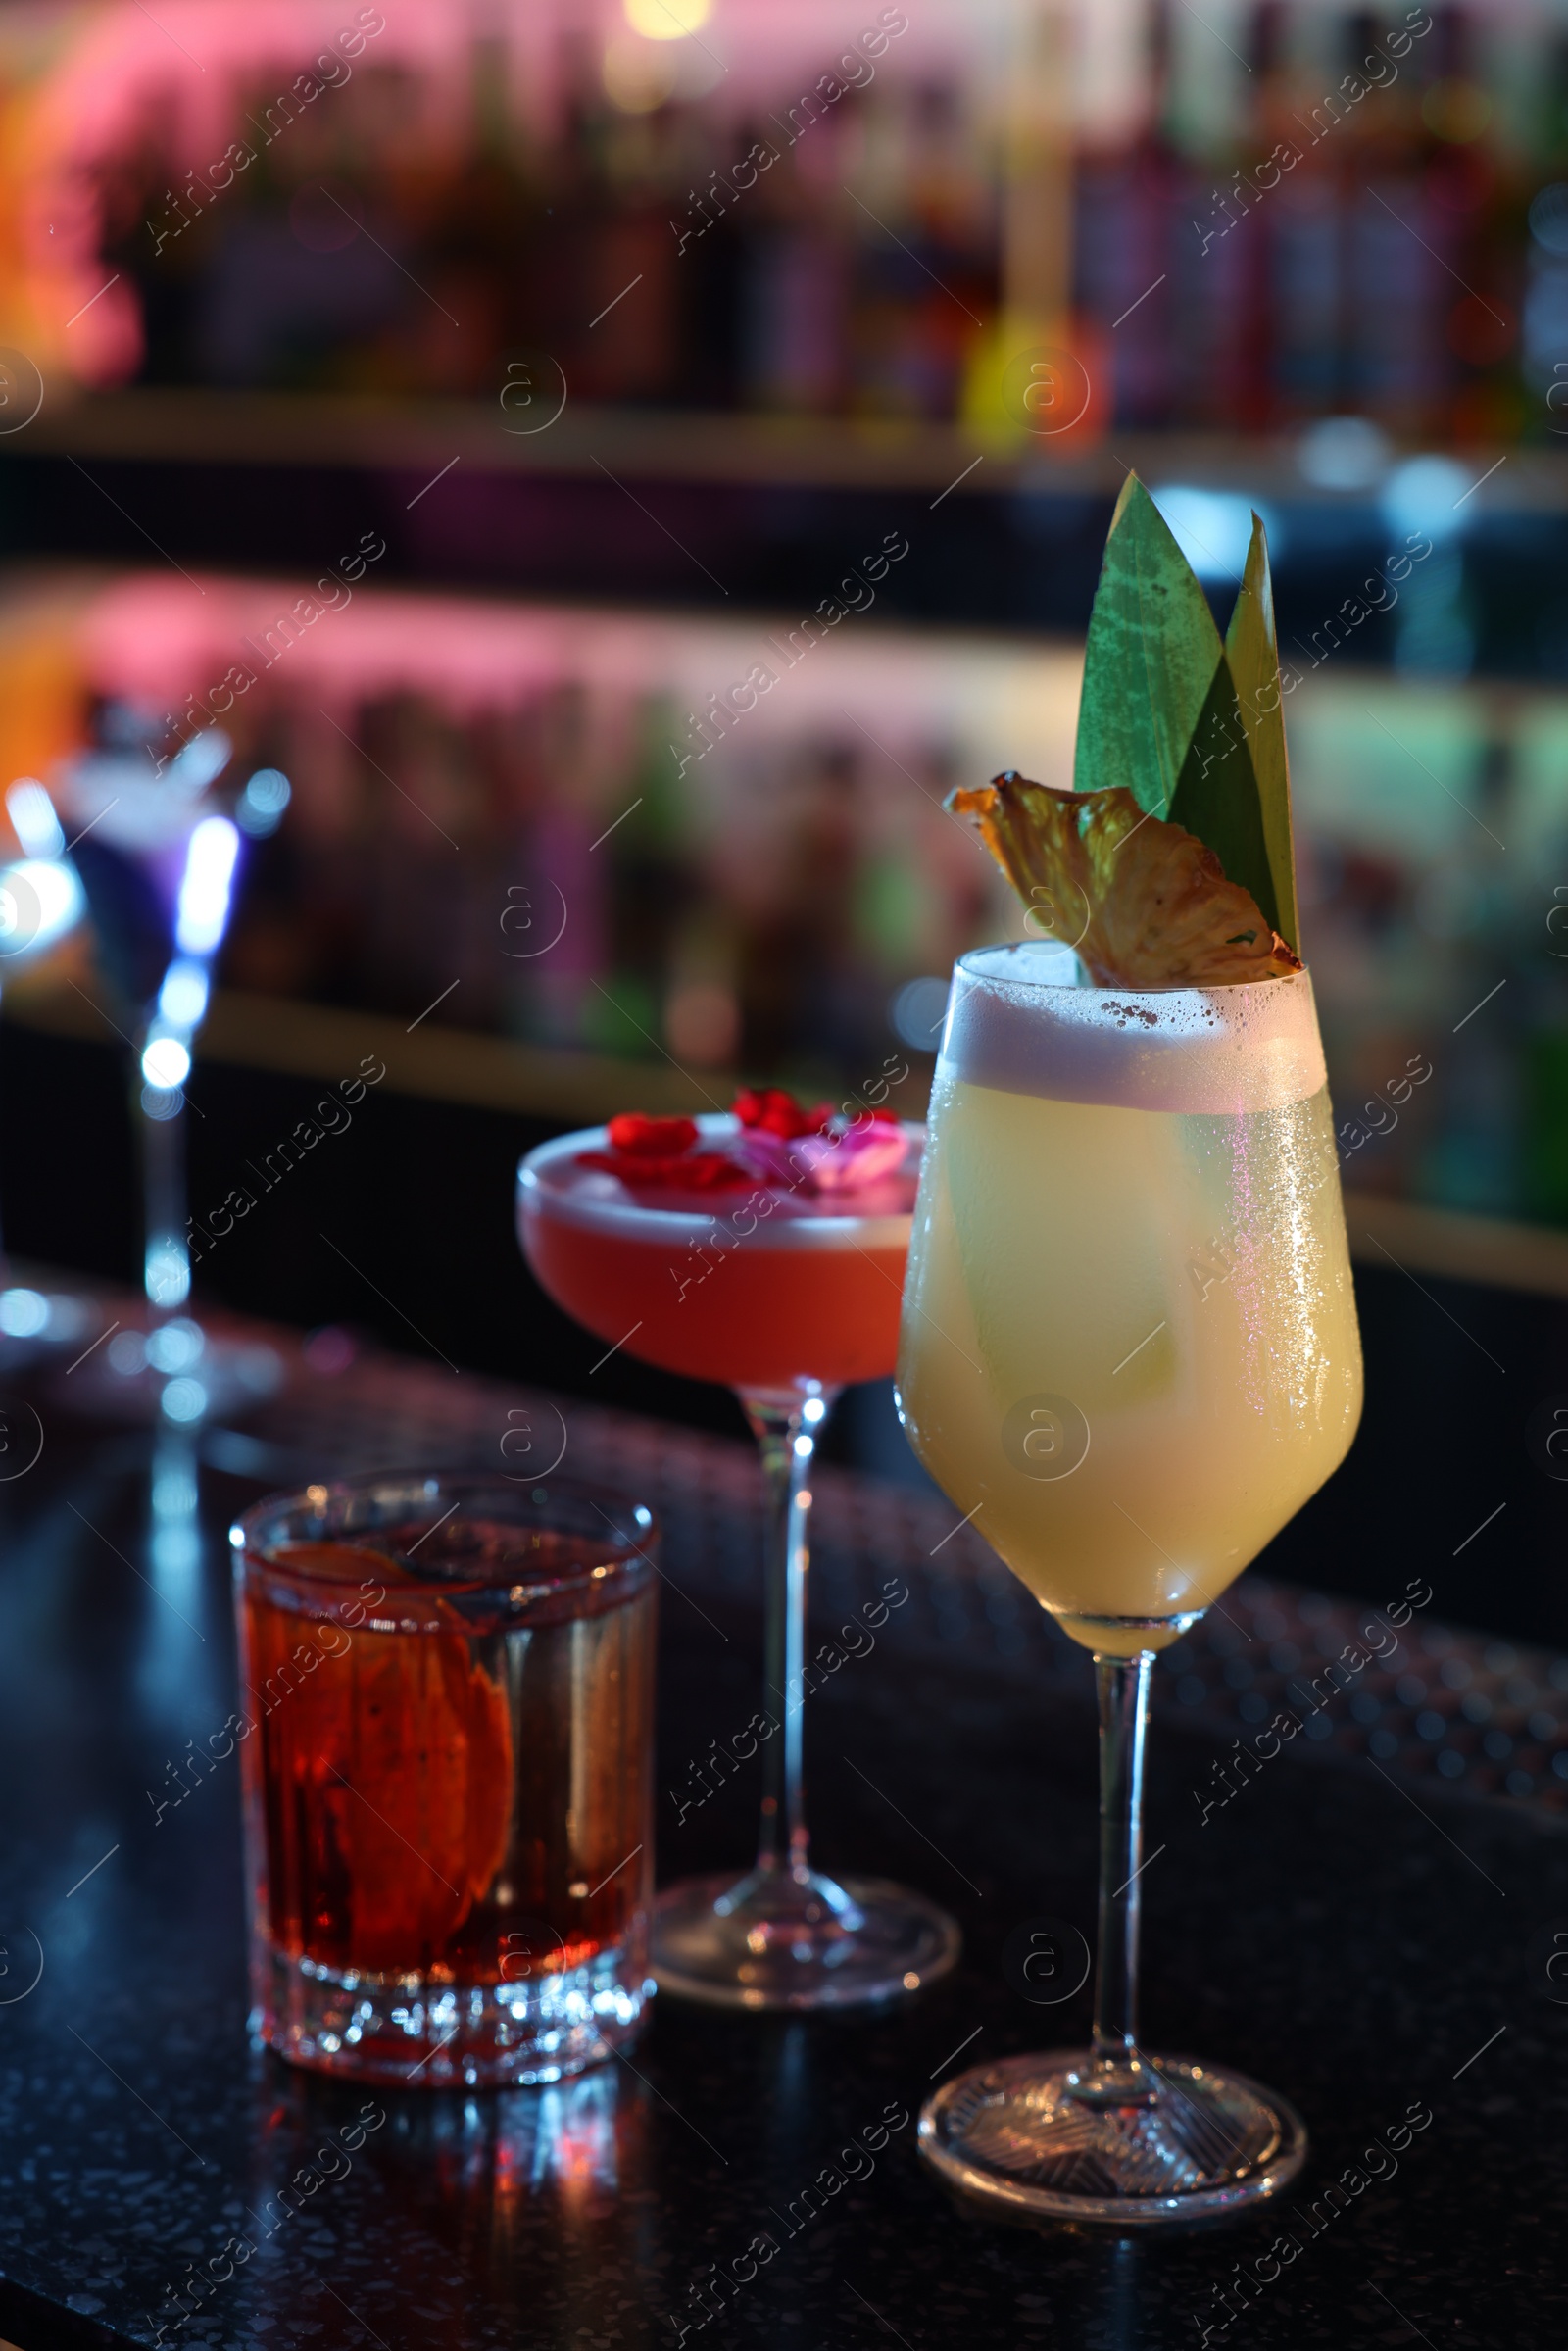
(446, 1739)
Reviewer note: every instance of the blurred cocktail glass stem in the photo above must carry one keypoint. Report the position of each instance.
(165, 1062)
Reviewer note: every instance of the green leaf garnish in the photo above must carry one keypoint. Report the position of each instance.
(1149, 662)
(1217, 798)
(1193, 728)
(1251, 647)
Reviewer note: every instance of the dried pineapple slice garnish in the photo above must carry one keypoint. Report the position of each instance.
(1145, 903)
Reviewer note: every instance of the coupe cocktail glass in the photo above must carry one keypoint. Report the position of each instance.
(1130, 1351)
(786, 1300)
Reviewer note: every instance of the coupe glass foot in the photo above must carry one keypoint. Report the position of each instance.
(1029, 2132)
(774, 1940)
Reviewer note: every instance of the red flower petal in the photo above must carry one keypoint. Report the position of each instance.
(648, 1138)
(670, 1171)
(711, 1171)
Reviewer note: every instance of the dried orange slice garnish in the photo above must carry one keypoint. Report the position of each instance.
(1145, 903)
(388, 1765)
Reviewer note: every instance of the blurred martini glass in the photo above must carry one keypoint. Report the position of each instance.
(157, 849)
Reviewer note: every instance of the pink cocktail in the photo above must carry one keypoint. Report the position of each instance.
(758, 1291)
(766, 1251)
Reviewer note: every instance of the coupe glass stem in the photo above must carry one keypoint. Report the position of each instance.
(784, 1935)
(1116, 2069)
(786, 1427)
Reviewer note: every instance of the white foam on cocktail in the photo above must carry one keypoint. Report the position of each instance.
(551, 1183)
(1021, 1019)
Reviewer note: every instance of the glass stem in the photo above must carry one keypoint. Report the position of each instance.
(5, 1270)
(1116, 2068)
(786, 1426)
(167, 1263)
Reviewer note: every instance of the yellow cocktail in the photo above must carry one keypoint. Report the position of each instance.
(1129, 1340)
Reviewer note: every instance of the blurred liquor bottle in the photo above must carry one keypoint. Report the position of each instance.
(1473, 192)
(480, 226)
(1267, 213)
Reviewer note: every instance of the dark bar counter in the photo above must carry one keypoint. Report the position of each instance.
(1360, 1915)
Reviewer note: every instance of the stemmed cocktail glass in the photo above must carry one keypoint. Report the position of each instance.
(786, 1293)
(157, 848)
(1130, 1353)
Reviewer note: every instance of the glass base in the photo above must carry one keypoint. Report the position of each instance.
(406, 2031)
(774, 1940)
(170, 1375)
(1193, 2143)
